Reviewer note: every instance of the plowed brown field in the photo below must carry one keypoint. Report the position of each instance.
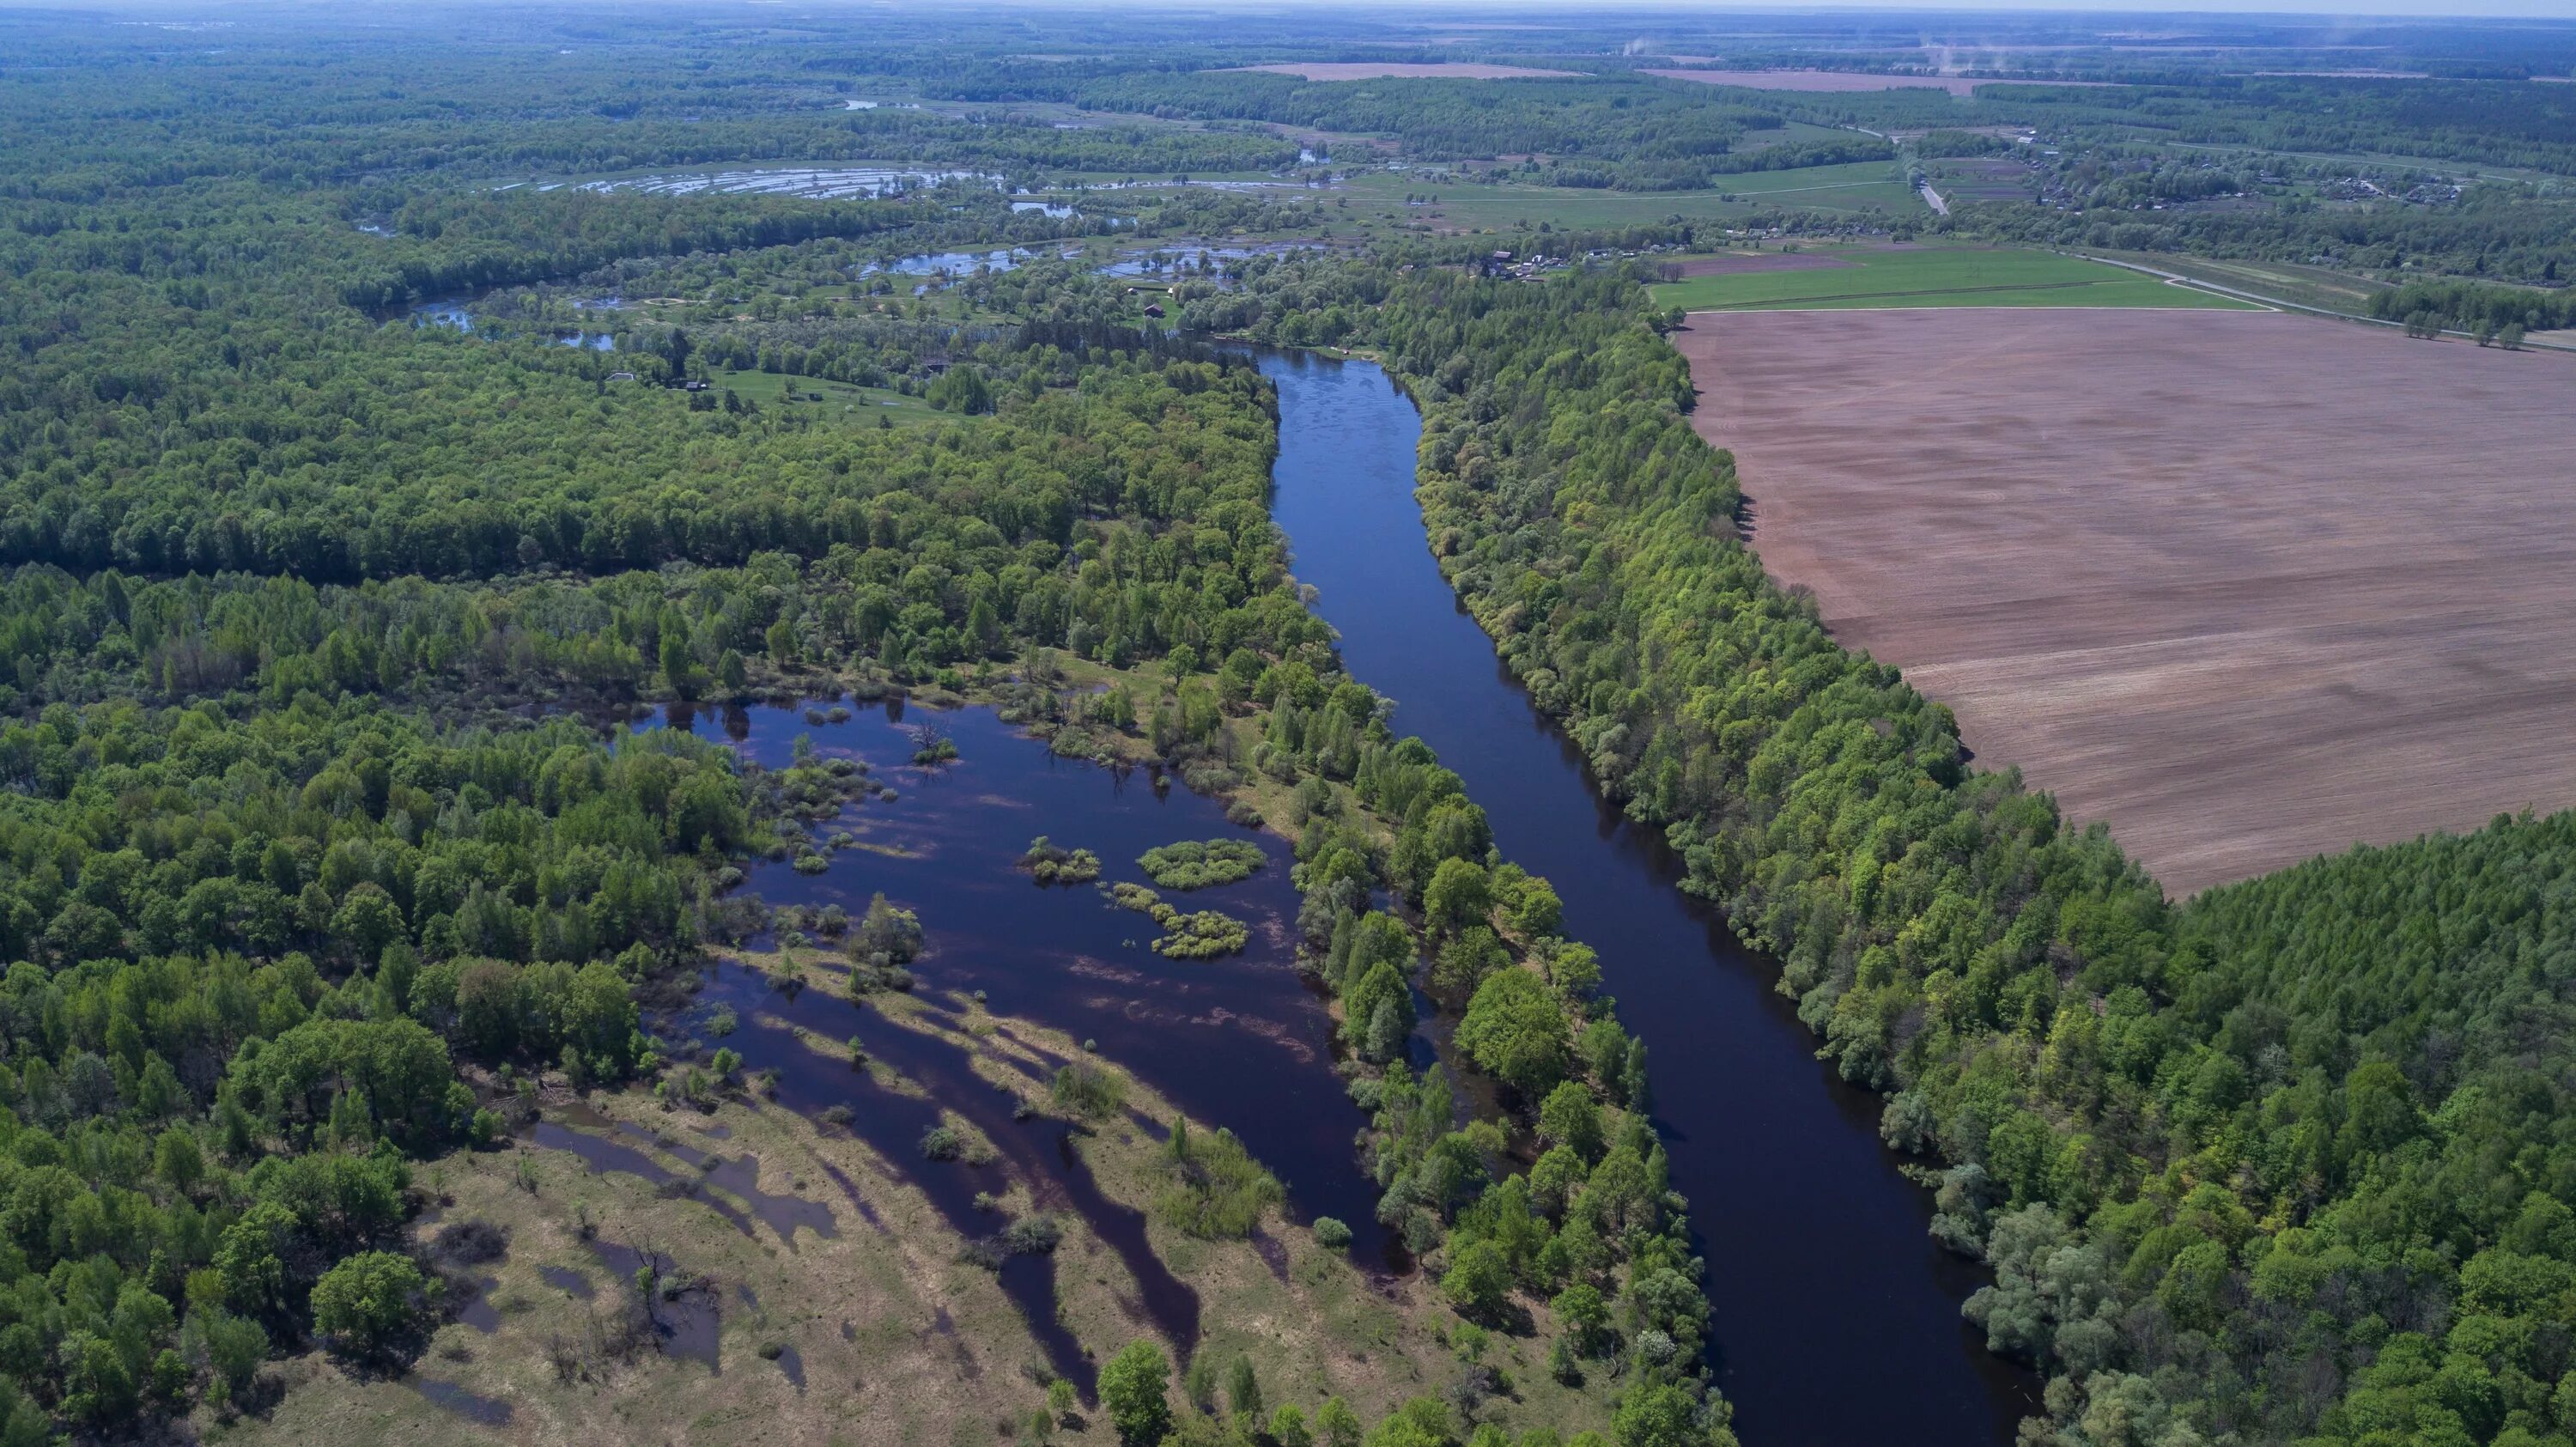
(2248, 587)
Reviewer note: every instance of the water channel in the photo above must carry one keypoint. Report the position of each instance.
(1836, 1319)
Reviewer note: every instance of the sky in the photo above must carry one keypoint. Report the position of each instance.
(2358, 9)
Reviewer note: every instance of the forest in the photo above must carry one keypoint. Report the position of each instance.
(330, 577)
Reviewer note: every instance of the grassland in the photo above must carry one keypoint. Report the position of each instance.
(828, 399)
(1866, 278)
(2315, 286)
(1466, 206)
(843, 1310)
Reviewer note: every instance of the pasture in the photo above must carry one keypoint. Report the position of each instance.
(2247, 586)
(1906, 276)
(1471, 206)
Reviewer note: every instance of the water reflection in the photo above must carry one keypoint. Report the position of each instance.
(1817, 1253)
(1242, 1042)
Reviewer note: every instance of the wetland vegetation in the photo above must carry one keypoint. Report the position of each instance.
(512, 881)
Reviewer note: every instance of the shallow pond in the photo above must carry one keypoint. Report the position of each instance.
(454, 312)
(815, 182)
(1173, 259)
(1241, 1041)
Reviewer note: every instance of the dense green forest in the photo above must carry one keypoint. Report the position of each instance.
(2287, 1162)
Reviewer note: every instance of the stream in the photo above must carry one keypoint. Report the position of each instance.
(1836, 1320)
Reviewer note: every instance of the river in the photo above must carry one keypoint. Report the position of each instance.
(1836, 1320)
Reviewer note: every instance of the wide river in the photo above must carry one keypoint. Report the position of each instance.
(1836, 1319)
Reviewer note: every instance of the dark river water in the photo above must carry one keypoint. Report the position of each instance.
(1835, 1317)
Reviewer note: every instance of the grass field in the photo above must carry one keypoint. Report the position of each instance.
(1933, 277)
(1467, 206)
(2314, 286)
(839, 399)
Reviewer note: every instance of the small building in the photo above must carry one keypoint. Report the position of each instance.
(1153, 310)
(621, 376)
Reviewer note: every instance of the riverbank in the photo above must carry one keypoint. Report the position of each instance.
(822, 1294)
(1816, 1244)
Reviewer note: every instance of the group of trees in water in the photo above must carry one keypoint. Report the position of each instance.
(2286, 1161)
(1591, 1228)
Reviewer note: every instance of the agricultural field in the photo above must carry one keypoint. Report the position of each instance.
(2245, 681)
(1910, 277)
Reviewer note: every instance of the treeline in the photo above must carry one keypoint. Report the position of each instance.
(1606, 119)
(2290, 1162)
(1161, 541)
(2468, 306)
(112, 119)
(1792, 155)
(2489, 232)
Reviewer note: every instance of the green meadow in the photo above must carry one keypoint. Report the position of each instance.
(1954, 276)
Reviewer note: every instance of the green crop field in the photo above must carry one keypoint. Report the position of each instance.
(1946, 277)
(1468, 206)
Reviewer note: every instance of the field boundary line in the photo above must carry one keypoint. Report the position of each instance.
(2178, 279)
(1747, 311)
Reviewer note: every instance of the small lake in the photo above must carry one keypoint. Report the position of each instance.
(1241, 1041)
(821, 183)
(956, 263)
(1173, 259)
(452, 312)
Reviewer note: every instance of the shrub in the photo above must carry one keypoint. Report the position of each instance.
(1134, 1391)
(1051, 865)
(1331, 1233)
(1216, 1189)
(1034, 1236)
(1089, 1091)
(1194, 865)
(370, 1303)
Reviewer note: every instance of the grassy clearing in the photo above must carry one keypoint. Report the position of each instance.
(897, 1341)
(1943, 277)
(838, 399)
